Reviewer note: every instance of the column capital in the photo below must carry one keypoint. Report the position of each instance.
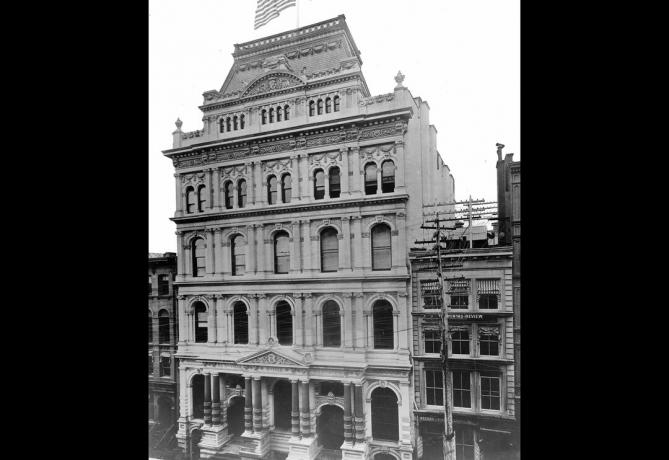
(218, 229)
(303, 380)
(181, 297)
(257, 377)
(347, 295)
(399, 142)
(176, 175)
(402, 293)
(179, 232)
(356, 217)
(307, 295)
(358, 295)
(343, 149)
(259, 296)
(298, 295)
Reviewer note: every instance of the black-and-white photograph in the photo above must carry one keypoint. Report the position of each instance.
(334, 230)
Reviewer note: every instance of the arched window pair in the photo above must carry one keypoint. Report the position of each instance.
(228, 190)
(193, 199)
(197, 249)
(331, 104)
(282, 114)
(231, 123)
(334, 183)
(273, 189)
(387, 178)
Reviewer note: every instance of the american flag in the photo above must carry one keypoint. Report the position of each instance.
(269, 9)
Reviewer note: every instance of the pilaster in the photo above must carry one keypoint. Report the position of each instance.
(179, 202)
(211, 318)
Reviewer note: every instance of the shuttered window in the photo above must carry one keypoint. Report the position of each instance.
(431, 293)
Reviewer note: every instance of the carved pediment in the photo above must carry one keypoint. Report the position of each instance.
(271, 358)
(274, 81)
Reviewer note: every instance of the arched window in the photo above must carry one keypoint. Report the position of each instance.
(370, 179)
(201, 322)
(329, 250)
(271, 115)
(190, 200)
(163, 327)
(279, 113)
(238, 254)
(284, 323)
(387, 177)
(227, 124)
(328, 105)
(241, 193)
(286, 188)
(312, 108)
(331, 325)
(201, 198)
(264, 116)
(385, 423)
(382, 313)
(241, 323)
(336, 103)
(228, 195)
(320, 106)
(335, 185)
(221, 125)
(271, 190)
(281, 253)
(319, 184)
(241, 122)
(235, 122)
(381, 250)
(286, 112)
(150, 327)
(197, 253)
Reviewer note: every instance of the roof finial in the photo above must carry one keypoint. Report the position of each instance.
(499, 151)
(178, 123)
(399, 78)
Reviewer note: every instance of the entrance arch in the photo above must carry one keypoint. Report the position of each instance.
(282, 405)
(236, 415)
(384, 456)
(330, 427)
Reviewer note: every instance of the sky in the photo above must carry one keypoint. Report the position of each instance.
(461, 56)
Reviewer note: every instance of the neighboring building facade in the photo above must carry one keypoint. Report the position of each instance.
(478, 285)
(295, 207)
(162, 337)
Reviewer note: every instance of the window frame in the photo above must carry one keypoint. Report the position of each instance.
(457, 329)
(367, 183)
(318, 190)
(389, 307)
(203, 331)
(335, 317)
(195, 268)
(433, 390)
(288, 313)
(499, 376)
(498, 342)
(201, 202)
(228, 194)
(334, 184)
(190, 196)
(234, 266)
(242, 193)
(437, 334)
(284, 197)
(329, 253)
(270, 191)
(162, 366)
(389, 248)
(384, 177)
(469, 391)
(277, 235)
(242, 310)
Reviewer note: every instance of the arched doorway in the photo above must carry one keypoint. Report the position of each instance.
(195, 438)
(330, 427)
(282, 405)
(165, 411)
(385, 422)
(236, 416)
(197, 385)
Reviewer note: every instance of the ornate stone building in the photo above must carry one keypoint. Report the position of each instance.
(295, 206)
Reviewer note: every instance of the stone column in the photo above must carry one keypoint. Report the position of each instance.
(357, 242)
(369, 322)
(315, 253)
(378, 180)
(396, 330)
(306, 240)
(250, 250)
(305, 409)
(226, 263)
(296, 178)
(257, 406)
(250, 185)
(260, 324)
(221, 320)
(181, 258)
(342, 240)
(345, 186)
(308, 320)
(358, 187)
(248, 404)
(298, 336)
(346, 243)
(302, 162)
(295, 409)
(179, 201)
(260, 196)
(215, 400)
(347, 324)
(260, 249)
(211, 320)
(183, 320)
(270, 325)
(396, 254)
(403, 320)
(348, 426)
(210, 188)
(217, 189)
(269, 260)
(326, 171)
(399, 166)
(187, 260)
(359, 414)
(366, 250)
(209, 259)
(218, 252)
(359, 322)
(317, 327)
(207, 398)
(295, 258)
(235, 194)
(400, 223)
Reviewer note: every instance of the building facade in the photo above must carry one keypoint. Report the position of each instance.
(295, 206)
(479, 293)
(162, 337)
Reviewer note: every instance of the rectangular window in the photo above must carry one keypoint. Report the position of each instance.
(488, 302)
(163, 284)
(431, 293)
(489, 340)
(459, 301)
(458, 289)
(462, 392)
(459, 340)
(490, 390)
(199, 259)
(165, 366)
(464, 443)
(201, 327)
(432, 341)
(488, 293)
(434, 387)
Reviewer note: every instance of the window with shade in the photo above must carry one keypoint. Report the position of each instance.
(228, 195)
(190, 200)
(489, 340)
(329, 250)
(281, 253)
(286, 188)
(272, 190)
(201, 322)
(241, 323)
(238, 254)
(284, 323)
(370, 179)
(335, 182)
(241, 193)
(198, 254)
(431, 294)
(382, 319)
(487, 291)
(458, 291)
(201, 198)
(319, 184)
(387, 177)
(163, 327)
(331, 324)
(381, 250)
(462, 389)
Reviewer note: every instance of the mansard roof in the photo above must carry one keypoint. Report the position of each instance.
(293, 58)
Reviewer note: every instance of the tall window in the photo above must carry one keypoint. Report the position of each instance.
(335, 187)
(271, 190)
(320, 106)
(163, 327)
(312, 108)
(241, 323)
(235, 122)
(331, 325)
(227, 124)
(336, 103)
(281, 253)
(284, 323)
(460, 340)
(432, 341)
(241, 122)
(328, 105)
(201, 198)
(464, 443)
(279, 113)
(431, 293)
(271, 115)
(381, 251)
(434, 387)
(190, 200)
(462, 390)
(385, 422)
(490, 391)
(264, 116)
(150, 327)
(489, 340)
(382, 313)
(286, 188)
(221, 125)
(319, 184)
(201, 322)
(458, 289)
(329, 250)
(241, 193)
(286, 112)
(165, 366)
(370, 179)
(228, 195)
(198, 251)
(387, 177)
(238, 252)
(163, 284)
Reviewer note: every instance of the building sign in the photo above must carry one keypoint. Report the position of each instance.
(471, 317)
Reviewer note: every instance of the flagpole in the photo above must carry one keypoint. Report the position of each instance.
(297, 9)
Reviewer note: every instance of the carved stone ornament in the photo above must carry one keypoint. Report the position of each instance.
(273, 359)
(233, 172)
(325, 159)
(272, 82)
(277, 167)
(378, 153)
(193, 179)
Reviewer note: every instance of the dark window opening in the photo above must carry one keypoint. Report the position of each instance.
(227, 124)
(328, 105)
(163, 327)
(286, 188)
(198, 254)
(387, 177)
(327, 387)
(241, 122)
(331, 325)
(320, 106)
(336, 103)
(190, 200)
(165, 366)
(460, 342)
(197, 385)
(241, 193)
(385, 423)
(434, 387)
(163, 284)
(462, 393)
(489, 341)
(279, 113)
(235, 122)
(464, 443)
(241, 323)
(383, 325)
(272, 190)
(228, 195)
(329, 250)
(381, 250)
(459, 301)
(312, 107)
(264, 117)
(335, 185)
(281, 253)
(370, 179)
(201, 323)
(238, 254)
(282, 405)
(490, 392)
(284, 324)
(431, 293)
(488, 301)
(432, 341)
(286, 111)
(271, 115)
(319, 184)
(201, 198)
(221, 125)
